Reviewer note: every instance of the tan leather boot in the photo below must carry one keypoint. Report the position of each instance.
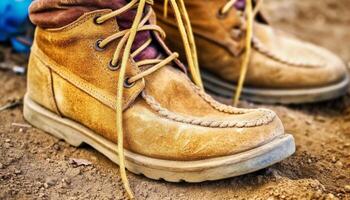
(171, 128)
(282, 69)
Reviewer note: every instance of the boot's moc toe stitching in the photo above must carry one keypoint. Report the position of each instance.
(281, 68)
(170, 128)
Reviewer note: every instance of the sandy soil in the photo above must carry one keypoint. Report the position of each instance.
(34, 165)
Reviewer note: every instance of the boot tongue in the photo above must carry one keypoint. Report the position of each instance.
(58, 13)
(240, 5)
(125, 21)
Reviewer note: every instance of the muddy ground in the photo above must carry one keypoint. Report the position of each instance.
(34, 165)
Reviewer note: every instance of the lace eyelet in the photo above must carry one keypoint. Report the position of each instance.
(95, 20)
(113, 67)
(97, 45)
(221, 15)
(127, 84)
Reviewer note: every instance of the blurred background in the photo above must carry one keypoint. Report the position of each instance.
(325, 22)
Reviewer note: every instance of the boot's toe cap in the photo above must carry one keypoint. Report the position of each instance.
(187, 139)
(288, 62)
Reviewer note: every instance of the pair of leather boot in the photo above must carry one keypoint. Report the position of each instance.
(115, 85)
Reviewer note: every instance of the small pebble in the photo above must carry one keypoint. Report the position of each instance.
(339, 164)
(334, 159)
(7, 145)
(67, 181)
(56, 147)
(317, 194)
(347, 188)
(330, 196)
(50, 181)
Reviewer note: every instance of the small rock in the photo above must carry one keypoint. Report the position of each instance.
(67, 181)
(339, 164)
(330, 196)
(309, 161)
(347, 188)
(7, 145)
(334, 159)
(50, 181)
(56, 147)
(317, 194)
(79, 162)
(1, 166)
(7, 140)
(308, 121)
(17, 171)
(41, 195)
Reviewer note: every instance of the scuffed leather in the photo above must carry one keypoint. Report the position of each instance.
(74, 64)
(39, 85)
(221, 50)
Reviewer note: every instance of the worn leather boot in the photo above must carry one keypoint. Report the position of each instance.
(152, 120)
(280, 68)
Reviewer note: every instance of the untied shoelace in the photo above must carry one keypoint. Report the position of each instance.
(250, 14)
(127, 38)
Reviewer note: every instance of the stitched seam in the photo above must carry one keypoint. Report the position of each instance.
(83, 86)
(52, 89)
(49, 89)
(216, 105)
(80, 84)
(77, 23)
(212, 123)
(222, 107)
(259, 46)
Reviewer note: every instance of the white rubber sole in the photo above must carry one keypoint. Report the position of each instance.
(169, 170)
(272, 96)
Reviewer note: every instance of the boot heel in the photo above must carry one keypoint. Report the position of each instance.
(44, 119)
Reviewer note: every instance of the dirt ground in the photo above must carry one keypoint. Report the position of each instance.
(34, 165)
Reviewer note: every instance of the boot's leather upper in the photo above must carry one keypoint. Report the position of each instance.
(165, 114)
(277, 61)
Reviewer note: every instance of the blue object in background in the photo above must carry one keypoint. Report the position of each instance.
(14, 24)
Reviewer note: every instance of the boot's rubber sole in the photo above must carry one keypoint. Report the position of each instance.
(283, 96)
(169, 170)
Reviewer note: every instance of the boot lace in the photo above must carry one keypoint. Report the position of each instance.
(123, 53)
(250, 14)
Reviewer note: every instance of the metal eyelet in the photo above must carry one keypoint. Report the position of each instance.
(95, 19)
(97, 45)
(113, 67)
(127, 84)
(221, 15)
